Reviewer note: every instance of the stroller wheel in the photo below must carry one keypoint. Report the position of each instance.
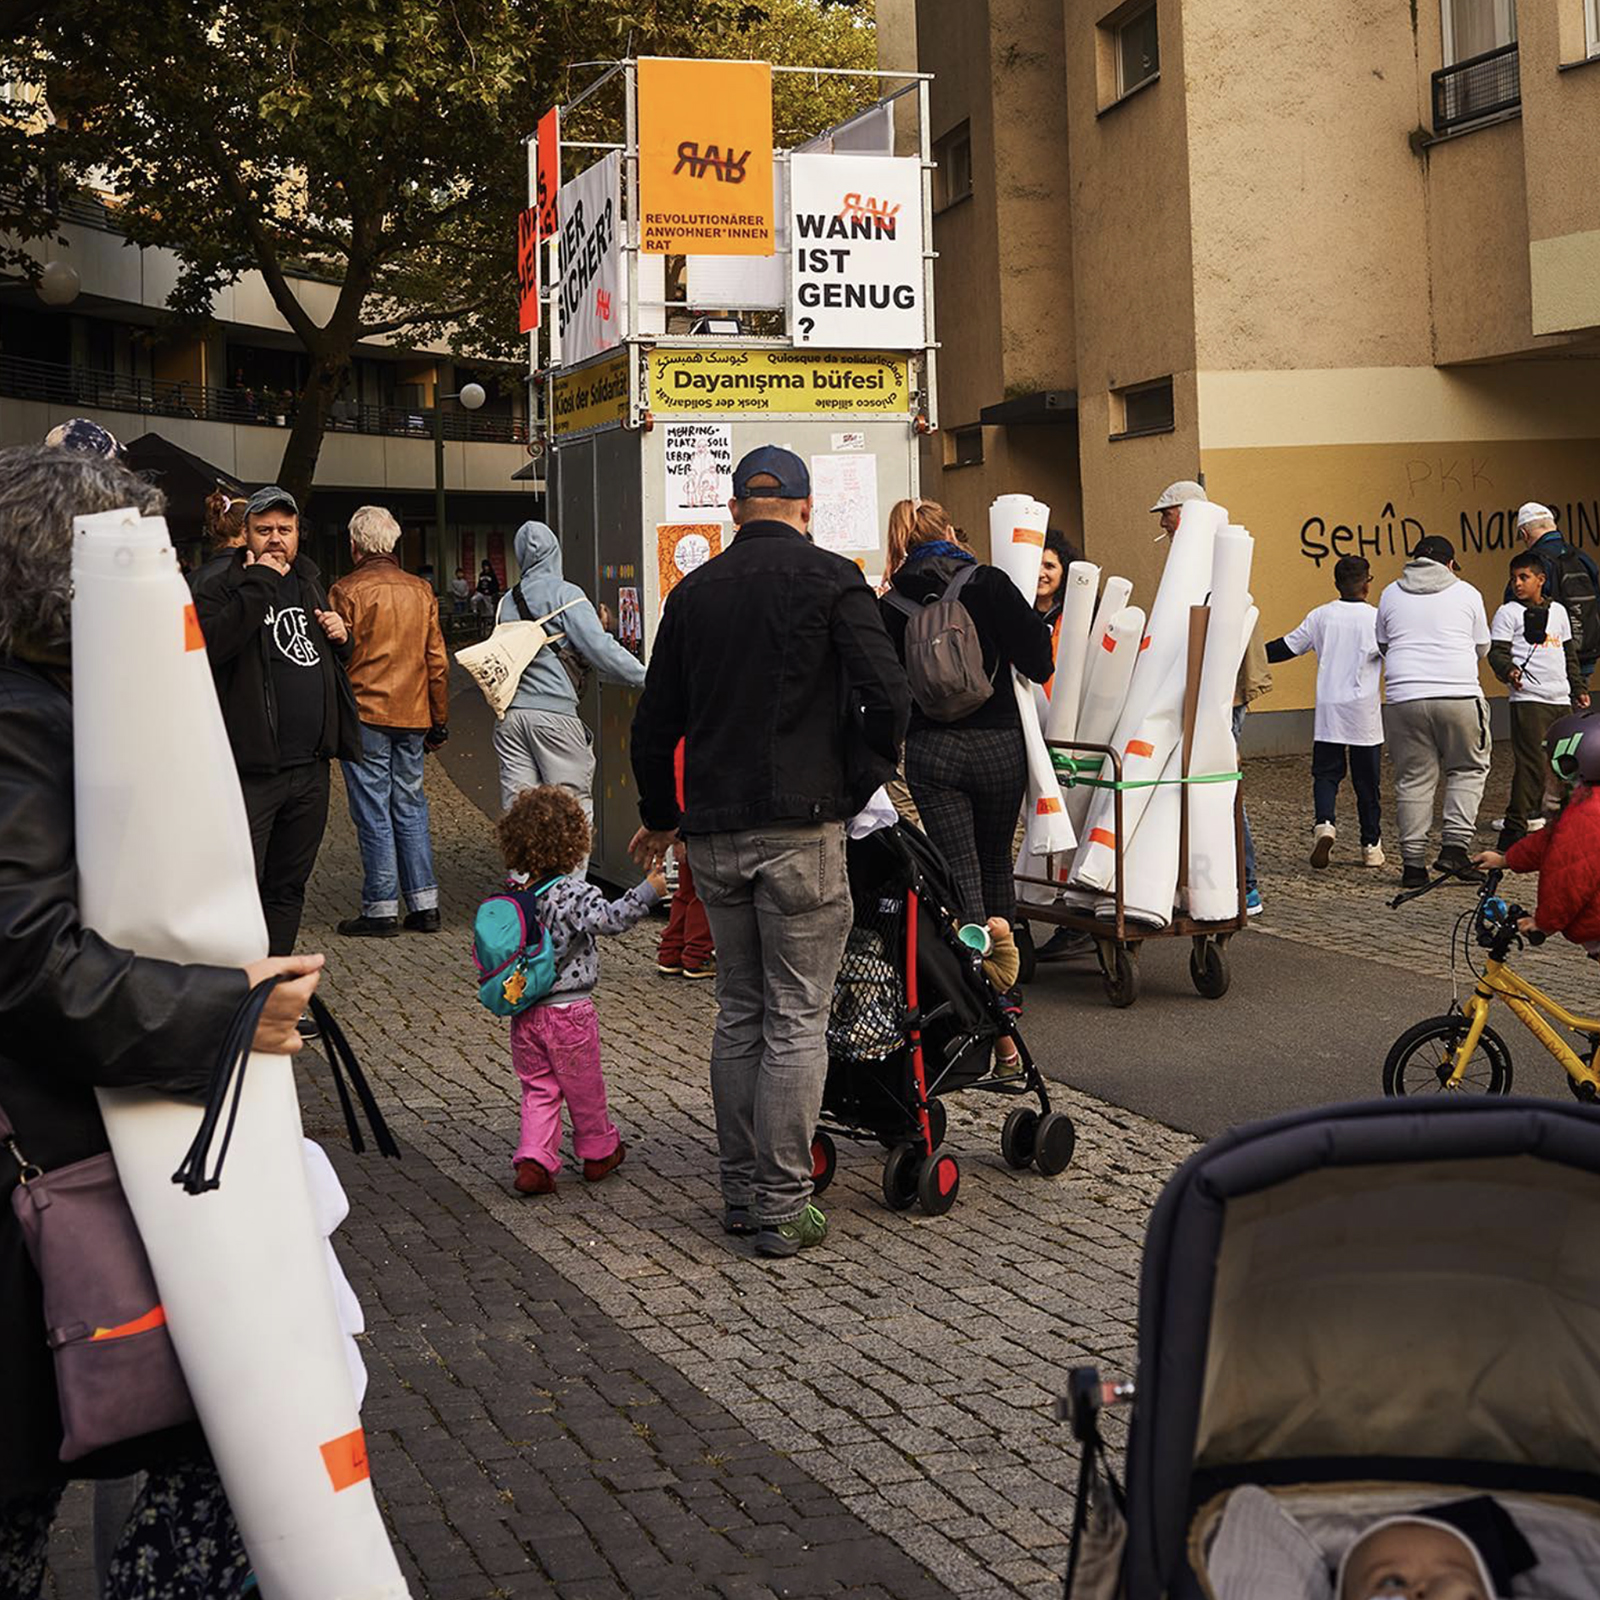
(1018, 1137)
(1054, 1143)
(824, 1158)
(900, 1173)
(938, 1184)
(937, 1118)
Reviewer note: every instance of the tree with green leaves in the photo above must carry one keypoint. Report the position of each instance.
(376, 144)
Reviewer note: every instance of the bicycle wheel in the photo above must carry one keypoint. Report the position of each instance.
(1420, 1060)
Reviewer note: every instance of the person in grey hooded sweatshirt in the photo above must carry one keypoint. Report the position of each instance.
(1432, 631)
(542, 739)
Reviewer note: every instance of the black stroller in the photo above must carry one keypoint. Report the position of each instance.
(1361, 1311)
(914, 1018)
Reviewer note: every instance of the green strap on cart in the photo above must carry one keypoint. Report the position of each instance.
(1071, 772)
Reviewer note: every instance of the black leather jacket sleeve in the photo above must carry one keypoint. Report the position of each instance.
(72, 1004)
(873, 671)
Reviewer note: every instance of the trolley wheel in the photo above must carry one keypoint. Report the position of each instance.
(1419, 1060)
(901, 1170)
(824, 1159)
(1208, 967)
(1018, 1136)
(1119, 967)
(938, 1183)
(1027, 952)
(1054, 1143)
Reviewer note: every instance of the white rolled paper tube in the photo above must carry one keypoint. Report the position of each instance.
(1115, 593)
(1072, 646)
(165, 868)
(1150, 863)
(1016, 540)
(1049, 831)
(1213, 866)
(1111, 660)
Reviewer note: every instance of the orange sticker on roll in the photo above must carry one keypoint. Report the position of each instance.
(1048, 806)
(1028, 536)
(346, 1460)
(193, 638)
(1138, 747)
(1103, 836)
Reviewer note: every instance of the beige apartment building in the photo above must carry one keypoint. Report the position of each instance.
(1342, 262)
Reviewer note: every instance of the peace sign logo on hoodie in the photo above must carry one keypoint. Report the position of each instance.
(291, 635)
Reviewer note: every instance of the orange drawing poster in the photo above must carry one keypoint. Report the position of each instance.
(705, 157)
(683, 546)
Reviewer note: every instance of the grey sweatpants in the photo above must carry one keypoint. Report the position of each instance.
(539, 747)
(1426, 737)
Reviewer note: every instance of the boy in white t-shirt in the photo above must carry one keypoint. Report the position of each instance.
(1348, 727)
(1531, 649)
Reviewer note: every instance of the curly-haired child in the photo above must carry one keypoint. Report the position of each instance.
(555, 1044)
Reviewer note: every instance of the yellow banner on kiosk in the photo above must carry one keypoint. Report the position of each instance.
(777, 383)
(705, 157)
(591, 396)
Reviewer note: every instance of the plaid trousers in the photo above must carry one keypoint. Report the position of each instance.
(968, 784)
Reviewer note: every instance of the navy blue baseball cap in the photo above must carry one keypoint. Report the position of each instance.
(269, 499)
(772, 461)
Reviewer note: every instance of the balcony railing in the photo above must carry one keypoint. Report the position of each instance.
(1479, 87)
(109, 391)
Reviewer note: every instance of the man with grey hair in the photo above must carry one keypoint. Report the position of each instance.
(1570, 576)
(400, 673)
(277, 654)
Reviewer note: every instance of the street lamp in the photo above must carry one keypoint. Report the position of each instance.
(472, 396)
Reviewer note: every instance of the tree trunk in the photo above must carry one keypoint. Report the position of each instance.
(299, 465)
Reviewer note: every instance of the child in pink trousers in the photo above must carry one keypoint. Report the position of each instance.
(555, 1044)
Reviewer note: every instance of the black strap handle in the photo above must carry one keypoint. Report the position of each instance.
(229, 1071)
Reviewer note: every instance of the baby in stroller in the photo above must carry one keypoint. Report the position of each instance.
(1414, 1556)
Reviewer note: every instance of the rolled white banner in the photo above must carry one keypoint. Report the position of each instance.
(1213, 867)
(1016, 540)
(1079, 584)
(165, 868)
(1105, 688)
(1115, 594)
(1150, 862)
(1153, 711)
(1048, 831)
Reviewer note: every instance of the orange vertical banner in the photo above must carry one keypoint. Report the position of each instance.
(705, 157)
(528, 269)
(547, 175)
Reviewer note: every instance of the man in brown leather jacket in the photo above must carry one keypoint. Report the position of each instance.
(400, 673)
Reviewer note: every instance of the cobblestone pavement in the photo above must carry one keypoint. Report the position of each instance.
(598, 1393)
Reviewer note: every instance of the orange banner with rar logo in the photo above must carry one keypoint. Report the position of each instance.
(705, 157)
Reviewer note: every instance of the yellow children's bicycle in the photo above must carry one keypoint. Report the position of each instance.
(1459, 1052)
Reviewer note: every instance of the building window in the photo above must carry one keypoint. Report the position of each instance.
(953, 175)
(1475, 27)
(1142, 408)
(1591, 12)
(1138, 48)
(963, 447)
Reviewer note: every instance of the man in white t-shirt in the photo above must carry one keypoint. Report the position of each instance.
(1348, 727)
(1433, 632)
(1532, 650)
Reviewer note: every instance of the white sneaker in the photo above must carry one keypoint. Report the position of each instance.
(1372, 855)
(1322, 845)
(1497, 823)
(1537, 824)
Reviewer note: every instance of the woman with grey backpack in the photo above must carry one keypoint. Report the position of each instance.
(959, 627)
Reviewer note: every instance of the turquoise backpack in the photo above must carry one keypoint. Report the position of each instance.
(512, 951)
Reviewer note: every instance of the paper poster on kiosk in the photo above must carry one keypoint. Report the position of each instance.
(844, 503)
(699, 469)
(682, 547)
(856, 232)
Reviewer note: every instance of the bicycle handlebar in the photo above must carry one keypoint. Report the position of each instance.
(1490, 884)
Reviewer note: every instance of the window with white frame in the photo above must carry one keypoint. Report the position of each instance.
(1475, 27)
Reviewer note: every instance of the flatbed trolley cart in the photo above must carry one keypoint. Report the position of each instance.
(1117, 940)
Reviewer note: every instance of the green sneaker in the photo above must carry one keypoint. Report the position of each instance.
(791, 1237)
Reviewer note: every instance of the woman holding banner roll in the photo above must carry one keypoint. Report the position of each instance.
(76, 1012)
(968, 776)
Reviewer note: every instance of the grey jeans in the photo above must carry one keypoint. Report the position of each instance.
(1425, 738)
(779, 907)
(540, 747)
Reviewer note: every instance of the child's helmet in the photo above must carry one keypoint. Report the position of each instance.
(1573, 746)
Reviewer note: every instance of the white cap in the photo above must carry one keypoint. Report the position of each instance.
(1176, 493)
(1413, 1521)
(1533, 512)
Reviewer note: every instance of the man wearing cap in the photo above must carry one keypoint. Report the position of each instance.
(277, 653)
(1254, 680)
(1432, 632)
(1570, 576)
(771, 662)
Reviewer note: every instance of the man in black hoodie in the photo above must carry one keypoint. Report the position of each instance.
(772, 665)
(277, 653)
